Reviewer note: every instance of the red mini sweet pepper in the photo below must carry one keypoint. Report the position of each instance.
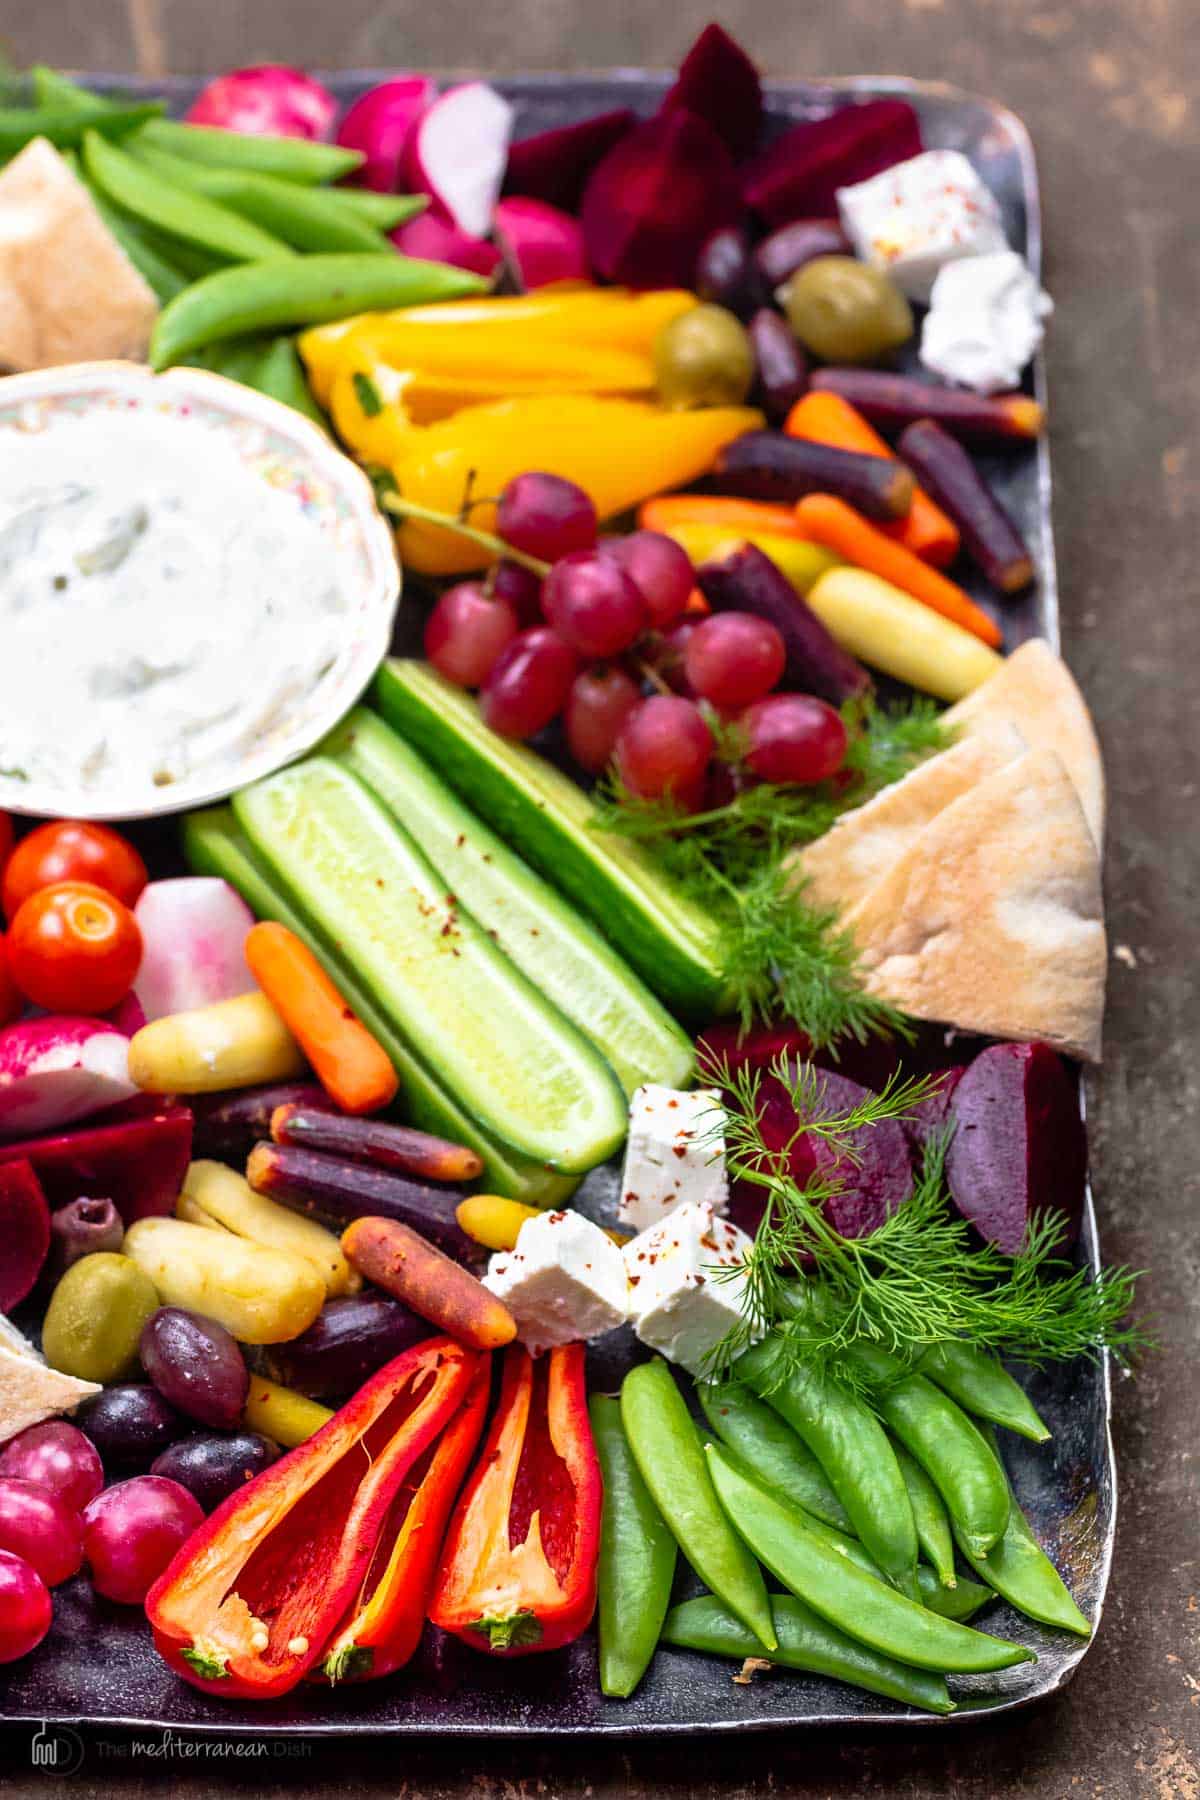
(518, 1573)
(249, 1602)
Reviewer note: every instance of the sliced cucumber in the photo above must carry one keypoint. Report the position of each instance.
(214, 845)
(535, 927)
(669, 940)
(515, 1061)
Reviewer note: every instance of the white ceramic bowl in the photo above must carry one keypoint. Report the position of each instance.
(285, 452)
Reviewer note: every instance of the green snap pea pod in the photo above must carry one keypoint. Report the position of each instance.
(52, 88)
(946, 1444)
(293, 159)
(666, 1448)
(280, 375)
(308, 290)
(384, 211)
(67, 126)
(1021, 1572)
(853, 1449)
(191, 217)
(153, 268)
(982, 1385)
(932, 1520)
(240, 360)
(771, 1448)
(637, 1558)
(859, 1604)
(806, 1642)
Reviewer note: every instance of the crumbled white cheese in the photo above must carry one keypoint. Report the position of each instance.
(984, 322)
(675, 1154)
(680, 1302)
(920, 215)
(564, 1280)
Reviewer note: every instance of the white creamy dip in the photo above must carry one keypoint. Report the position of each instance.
(985, 322)
(161, 608)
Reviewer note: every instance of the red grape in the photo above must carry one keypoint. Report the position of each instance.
(521, 588)
(25, 1609)
(132, 1530)
(669, 656)
(664, 748)
(659, 568)
(600, 700)
(466, 631)
(529, 683)
(733, 658)
(545, 516)
(592, 603)
(794, 738)
(58, 1458)
(35, 1525)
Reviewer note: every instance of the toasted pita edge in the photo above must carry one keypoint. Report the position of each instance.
(992, 921)
(30, 1391)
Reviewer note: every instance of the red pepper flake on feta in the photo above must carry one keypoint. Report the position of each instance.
(565, 1280)
(682, 1302)
(675, 1155)
(916, 217)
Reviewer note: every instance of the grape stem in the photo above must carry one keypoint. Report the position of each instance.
(409, 509)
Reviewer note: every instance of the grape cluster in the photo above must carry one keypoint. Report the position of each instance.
(612, 642)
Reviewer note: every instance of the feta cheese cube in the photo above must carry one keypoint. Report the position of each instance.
(916, 217)
(675, 1155)
(564, 1280)
(678, 1303)
(984, 322)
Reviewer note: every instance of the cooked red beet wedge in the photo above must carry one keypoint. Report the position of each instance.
(138, 1159)
(718, 82)
(554, 165)
(24, 1232)
(933, 1115)
(1019, 1146)
(799, 174)
(655, 198)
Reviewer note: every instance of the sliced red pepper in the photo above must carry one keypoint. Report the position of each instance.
(388, 1615)
(249, 1602)
(518, 1572)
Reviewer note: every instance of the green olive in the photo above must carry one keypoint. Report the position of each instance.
(95, 1318)
(703, 358)
(846, 312)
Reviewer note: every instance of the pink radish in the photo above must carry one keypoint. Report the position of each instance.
(193, 932)
(270, 98)
(57, 1069)
(459, 152)
(381, 124)
(543, 243)
(434, 239)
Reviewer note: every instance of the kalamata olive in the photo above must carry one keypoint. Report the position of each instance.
(727, 273)
(129, 1424)
(195, 1364)
(347, 1341)
(789, 248)
(782, 365)
(845, 311)
(81, 1228)
(212, 1466)
(703, 358)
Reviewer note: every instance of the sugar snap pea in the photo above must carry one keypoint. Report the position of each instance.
(294, 159)
(932, 1520)
(306, 290)
(667, 1451)
(981, 1384)
(154, 269)
(192, 217)
(280, 374)
(384, 211)
(1021, 1572)
(806, 1641)
(857, 1603)
(637, 1558)
(771, 1448)
(852, 1448)
(67, 126)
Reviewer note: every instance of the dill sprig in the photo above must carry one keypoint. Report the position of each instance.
(920, 1277)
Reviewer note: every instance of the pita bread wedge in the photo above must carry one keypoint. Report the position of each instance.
(992, 920)
(1036, 692)
(30, 1391)
(843, 865)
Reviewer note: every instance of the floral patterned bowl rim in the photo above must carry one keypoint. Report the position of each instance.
(280, 447)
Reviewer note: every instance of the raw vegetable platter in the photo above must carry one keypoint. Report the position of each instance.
(98, 1666)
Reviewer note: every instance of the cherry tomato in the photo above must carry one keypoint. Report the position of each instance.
(11, 1003)
(74, 949)
(72, 850)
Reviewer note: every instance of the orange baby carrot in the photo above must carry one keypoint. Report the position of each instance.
(828, 419)
(405, 1265)
(829, 521)
(353, 1067)
(669, 510)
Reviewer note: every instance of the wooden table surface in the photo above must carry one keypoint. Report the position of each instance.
(1111, 92)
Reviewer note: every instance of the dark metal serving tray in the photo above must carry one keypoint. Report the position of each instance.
(97, 1666)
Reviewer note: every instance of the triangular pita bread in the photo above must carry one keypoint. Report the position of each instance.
(30, 1391)
(992, 920)
(847, 862)
(1036, 692)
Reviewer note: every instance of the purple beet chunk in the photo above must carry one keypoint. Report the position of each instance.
(799, 175)
(719, 83)
(932, 1115)
(875, 1179)
(1019, 1145)
(655, 198)
(554, 165)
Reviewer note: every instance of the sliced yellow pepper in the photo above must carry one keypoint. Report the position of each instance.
(802, 562)
(368, 404)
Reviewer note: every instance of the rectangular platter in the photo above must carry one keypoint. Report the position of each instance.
(97, 1667)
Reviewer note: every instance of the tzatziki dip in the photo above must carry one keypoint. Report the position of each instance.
(161, 608)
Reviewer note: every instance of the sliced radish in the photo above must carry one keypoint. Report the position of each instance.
(381, 124)
(435, 239)
(193, 937)
(57, 1069)
(543, 243)
(459, 152)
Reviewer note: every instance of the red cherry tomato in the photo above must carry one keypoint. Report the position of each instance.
(72, 850)
(73, 948)
(11, 1003)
